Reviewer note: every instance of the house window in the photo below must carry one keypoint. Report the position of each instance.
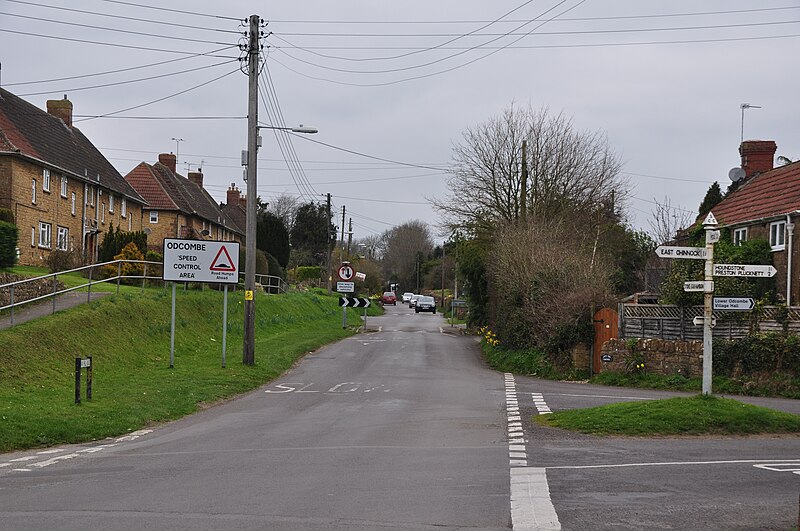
(72, 206)
(124, 207)
(154, 216)
(739, 236)
(62, 239)
(33, 236)
(110, 203)
(103, 213)
(46, 180)
(45, 234)
(33, 191)
(777, 235)
(64, 183)
(91, 195)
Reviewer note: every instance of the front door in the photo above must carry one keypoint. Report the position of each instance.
(605, 328)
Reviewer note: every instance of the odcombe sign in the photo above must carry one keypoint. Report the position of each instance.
(201, 261)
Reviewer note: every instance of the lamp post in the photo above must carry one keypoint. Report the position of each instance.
(248, 355)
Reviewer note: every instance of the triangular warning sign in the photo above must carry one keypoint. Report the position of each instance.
(223, 263)
(710, 219)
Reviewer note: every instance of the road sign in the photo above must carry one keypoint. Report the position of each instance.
(694, 253)
(346, 272)
(345, 287)
(354, 302)
(361, 276)
(201, 261)
(698, 321)
(744, 270)
(710, 220)
(706, 286)
(712, 236)
(734, 303)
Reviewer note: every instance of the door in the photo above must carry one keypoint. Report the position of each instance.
(605, 328)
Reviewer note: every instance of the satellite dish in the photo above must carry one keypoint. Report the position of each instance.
(736, 174)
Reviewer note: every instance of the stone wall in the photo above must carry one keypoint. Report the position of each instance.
(26, 291)
(661, 356)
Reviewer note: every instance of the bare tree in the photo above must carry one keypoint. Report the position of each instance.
(568, 170)
(285, 207)
(406, 246)
(667, 220)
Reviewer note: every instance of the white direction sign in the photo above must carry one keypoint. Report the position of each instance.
(699, 320)
(712, 236)
(734, 303)
(201, 261)
(706, 286)
(694, 253)
(345, 287)
(744, 270)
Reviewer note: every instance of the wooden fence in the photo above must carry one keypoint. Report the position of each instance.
(664, 321)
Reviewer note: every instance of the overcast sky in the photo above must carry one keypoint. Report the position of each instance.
(401, 81)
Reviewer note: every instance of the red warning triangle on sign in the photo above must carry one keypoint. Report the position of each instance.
(220, 264)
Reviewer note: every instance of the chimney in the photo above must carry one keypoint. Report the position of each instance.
(61, 109)
(196, 177)
(757, 156)
(168, 160)
(233, 195)
(243, 202)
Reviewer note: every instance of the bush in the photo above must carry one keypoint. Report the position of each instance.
(115, 241)
(302, 273)
(61, 261)
(9, 234)
(770, 352)
(7, 215)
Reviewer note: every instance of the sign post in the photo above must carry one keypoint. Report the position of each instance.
(712, 235)
(201, 261)
(345, 285)
(79, 365)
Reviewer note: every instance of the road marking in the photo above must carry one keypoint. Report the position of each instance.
(21, 470)
(47, 452)
(133, 436)
(679, 463)
(26, 458)
(603, 396)
(781, 467)
(541, 405)
(531, 508)
(516, 437)
(56, 459)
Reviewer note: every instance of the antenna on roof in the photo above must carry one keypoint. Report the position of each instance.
(736, 174)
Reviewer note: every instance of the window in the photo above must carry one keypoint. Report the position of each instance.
(73, 203)
(154, 216)
(64, 183)
(110, 203)
(33, 236)
(124, 207)
(63, 239)
(777, 235)
(91, 195)
(739, 236)
(33, 191)
(45, 234)
(46, 180)
(102, 213)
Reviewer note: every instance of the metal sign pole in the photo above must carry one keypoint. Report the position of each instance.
(172, 332)
(344, 316)
(224, 324)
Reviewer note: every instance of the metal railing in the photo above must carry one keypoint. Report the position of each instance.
(271, 284)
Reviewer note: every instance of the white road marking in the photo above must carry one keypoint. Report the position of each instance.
(603, 396)
(4, 464)
(53, 451)
(56, 459)
(541, 405)
(781, 467)
(26, 458)
(21, 470)
(673, 463)
(531, 508)
(133, 436)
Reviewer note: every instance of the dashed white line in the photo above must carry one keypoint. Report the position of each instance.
(531, 508)
(541, 405)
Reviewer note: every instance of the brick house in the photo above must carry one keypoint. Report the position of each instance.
(62, 190)
(235, 209)
(177, 206)
(766, 206)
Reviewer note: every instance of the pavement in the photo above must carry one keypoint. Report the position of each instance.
(34, 310)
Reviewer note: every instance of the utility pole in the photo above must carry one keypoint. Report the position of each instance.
(253, 48)
(443, 277)
(341, 249)
(523, 200)
(349, 235)
(328, 244)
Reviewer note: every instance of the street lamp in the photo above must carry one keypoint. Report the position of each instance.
(248, 355)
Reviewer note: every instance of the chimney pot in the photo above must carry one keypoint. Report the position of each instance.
(196, 177)
(61, 109)
(757, 156)
(169, 160)
(233, 195)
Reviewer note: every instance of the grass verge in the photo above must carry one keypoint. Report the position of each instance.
(128, 337)
(697, 415)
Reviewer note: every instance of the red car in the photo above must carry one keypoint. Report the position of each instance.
(389, 297)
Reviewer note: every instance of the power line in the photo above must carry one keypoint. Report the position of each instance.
(157, 100)
(120, 70)
(116, 83)
(122, 17)
(182, 12)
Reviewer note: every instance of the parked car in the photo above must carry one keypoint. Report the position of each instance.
(389, 297)
(425, 304)
(413, 300)
(407, 297)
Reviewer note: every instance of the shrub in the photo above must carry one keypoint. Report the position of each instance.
(9, 234)
(115, 241)
(7, 215)
(302, 273)
(61, 261)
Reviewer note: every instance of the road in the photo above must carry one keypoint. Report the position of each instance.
(403, 428)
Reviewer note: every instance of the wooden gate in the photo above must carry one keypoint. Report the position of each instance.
(605, 328)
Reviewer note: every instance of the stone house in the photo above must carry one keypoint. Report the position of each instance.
(178, 206)
(766, 205)
(63, 192)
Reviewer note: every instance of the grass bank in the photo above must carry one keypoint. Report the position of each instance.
(697, 415)
(128, 337)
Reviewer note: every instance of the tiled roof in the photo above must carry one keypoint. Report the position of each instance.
(165, 190)
(26, 130)
(235, 215)
(768, 195)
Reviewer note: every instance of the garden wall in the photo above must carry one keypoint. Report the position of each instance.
(661, 356)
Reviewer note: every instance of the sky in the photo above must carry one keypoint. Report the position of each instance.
(392, 86)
